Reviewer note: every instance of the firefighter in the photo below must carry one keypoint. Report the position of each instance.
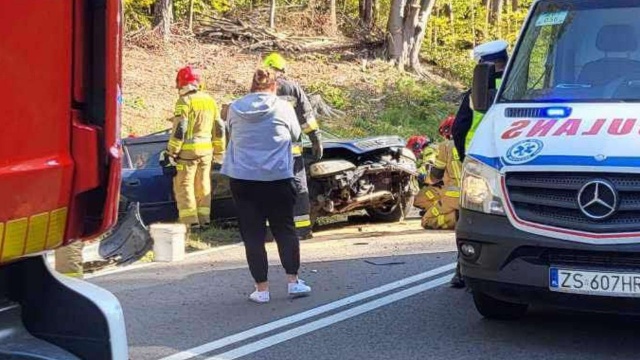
(444, 183)
(68, 260)
(425, 152)
(467, 120)
(196, 141)
(293, 92)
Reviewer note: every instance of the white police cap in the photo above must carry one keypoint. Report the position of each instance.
(490, 51)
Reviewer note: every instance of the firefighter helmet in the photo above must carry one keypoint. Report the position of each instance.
(275, 61)
(445, 127)
(187, 76)
(418, 142)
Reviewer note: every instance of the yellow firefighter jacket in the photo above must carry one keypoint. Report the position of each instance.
(448, 168)
(197, 128)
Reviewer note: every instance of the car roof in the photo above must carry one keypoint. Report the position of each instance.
(161, 136)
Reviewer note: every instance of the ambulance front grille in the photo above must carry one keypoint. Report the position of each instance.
(552, 199)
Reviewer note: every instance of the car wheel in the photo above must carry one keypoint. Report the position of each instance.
(391, 213)
(492, 308)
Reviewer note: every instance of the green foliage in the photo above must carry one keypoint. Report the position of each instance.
(334, 96)
(457, 26)
(410, 107)
(137, 14)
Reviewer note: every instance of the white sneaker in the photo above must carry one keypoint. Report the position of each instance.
(260, 297)
(298, 289)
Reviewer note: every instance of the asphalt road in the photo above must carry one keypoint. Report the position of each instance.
(379, 293)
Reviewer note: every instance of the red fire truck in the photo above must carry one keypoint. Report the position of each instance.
(60, 160)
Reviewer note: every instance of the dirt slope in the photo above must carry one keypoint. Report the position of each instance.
(149, 75)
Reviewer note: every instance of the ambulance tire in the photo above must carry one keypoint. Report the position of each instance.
(394, 213)
(492, 308)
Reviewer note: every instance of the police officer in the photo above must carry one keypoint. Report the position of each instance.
(447, 170)
(294, 93)
(444, 180)
(467, 120)
(197, 140)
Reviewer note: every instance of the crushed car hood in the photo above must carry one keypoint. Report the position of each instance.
(361, 146)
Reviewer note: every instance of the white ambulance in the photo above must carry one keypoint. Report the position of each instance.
(550, 203)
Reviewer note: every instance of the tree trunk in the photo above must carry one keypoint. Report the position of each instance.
(394, 30)
(473, 23)
(487, 9)
(333, 16)
(272, 14)
(515, 5)
(452, 18)
(163, 16)
(426, 7)
(496, 12)
(190, 15)
(367, 12)
(406, 31)
(376, 12)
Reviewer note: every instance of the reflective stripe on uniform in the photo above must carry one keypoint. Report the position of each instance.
(475, 123)
(430, 195)
(440, 164)
(452, 193)
(310, 126)
(435, 211)
(73, 274)
(204, 211)
(174, 145)
(183, 213)
(197, 146)
(456, 167)
(441, 220)
(180, 167)
(296, 149)
(302, 221)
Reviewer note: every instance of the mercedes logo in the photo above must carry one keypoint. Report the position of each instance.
(598, 199)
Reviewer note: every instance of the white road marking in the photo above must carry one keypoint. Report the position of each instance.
(327, 321)
(259, 330)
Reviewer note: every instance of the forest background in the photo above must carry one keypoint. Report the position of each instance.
(388, 66)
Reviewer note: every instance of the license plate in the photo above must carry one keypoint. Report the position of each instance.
(589, 282)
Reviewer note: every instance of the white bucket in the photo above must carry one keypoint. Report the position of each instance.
(168, 241)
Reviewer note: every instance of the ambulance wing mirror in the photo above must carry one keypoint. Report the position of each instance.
(484, 85)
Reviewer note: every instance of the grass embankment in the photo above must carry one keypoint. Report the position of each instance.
(377, 98)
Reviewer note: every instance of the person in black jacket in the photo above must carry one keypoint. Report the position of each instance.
(293, 92)
(496, 52)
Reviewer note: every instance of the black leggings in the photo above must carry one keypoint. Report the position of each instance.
(259, 201)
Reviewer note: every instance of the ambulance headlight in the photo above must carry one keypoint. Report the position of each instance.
(481, 188)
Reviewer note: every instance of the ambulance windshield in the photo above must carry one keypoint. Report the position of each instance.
(577, 51)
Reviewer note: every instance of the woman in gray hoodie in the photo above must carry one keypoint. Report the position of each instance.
(259, 163)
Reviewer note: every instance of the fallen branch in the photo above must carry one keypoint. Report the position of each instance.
(260, 38)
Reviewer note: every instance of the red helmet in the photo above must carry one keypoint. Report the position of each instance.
(445, 126)
(187, 76)
(418, 142)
